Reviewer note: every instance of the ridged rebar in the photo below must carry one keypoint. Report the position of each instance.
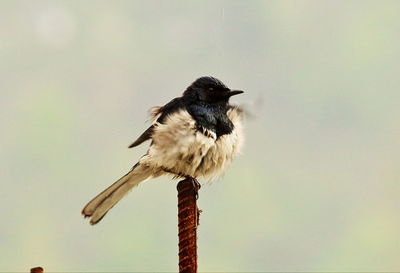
(188, 220)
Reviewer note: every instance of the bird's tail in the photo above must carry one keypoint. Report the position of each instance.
(97, 208)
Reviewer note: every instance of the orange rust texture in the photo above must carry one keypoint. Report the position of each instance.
(188, 215)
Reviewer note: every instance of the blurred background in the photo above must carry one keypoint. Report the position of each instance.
(316, 188)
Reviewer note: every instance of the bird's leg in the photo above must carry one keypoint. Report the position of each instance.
(196, 185)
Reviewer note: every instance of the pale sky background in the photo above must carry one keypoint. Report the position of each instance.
(315, 189)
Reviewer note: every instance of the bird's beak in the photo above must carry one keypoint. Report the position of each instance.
(234, 92)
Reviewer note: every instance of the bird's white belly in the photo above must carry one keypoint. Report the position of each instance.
(179, 147)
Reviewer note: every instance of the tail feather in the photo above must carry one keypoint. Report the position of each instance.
(98, 207)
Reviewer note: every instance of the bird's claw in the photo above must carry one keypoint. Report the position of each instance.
(196, 186)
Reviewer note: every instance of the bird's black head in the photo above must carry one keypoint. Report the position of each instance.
(209, 90)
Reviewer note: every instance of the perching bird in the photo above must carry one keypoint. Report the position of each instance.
(196, 135)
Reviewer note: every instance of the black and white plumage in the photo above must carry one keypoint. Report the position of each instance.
(196, 135)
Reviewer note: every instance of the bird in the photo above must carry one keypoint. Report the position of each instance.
(196, 135)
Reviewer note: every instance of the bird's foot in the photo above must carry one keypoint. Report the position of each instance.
(196, 186)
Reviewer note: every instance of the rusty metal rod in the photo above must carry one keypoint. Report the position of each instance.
(188, 220)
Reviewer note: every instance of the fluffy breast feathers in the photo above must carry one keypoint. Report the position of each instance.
(180, 147)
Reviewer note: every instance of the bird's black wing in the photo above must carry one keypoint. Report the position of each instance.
(160, 112)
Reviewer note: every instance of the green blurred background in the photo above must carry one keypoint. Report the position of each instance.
(317, 185)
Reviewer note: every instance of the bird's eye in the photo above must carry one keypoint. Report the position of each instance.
(210, 89)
